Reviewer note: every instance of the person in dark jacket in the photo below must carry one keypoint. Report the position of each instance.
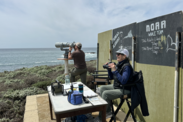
(121, 73)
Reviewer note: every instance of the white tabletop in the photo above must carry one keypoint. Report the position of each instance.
(60, 103)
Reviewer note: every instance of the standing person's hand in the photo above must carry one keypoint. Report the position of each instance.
(112, 66)
(70, 48)
(69, 53)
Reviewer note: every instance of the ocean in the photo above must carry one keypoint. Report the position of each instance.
(12, 59)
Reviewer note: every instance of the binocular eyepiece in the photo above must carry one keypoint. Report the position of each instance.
(106, 66)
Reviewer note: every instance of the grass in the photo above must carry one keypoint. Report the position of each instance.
(16, 85)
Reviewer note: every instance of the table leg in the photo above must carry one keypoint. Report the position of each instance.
(58, 119)
(104, 114)
(50, 107)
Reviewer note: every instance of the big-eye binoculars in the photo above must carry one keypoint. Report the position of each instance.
(106, 66)
(64, 47)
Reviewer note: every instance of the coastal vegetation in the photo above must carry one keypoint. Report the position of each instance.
(16, 85)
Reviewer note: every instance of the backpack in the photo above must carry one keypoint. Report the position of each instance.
(57, 88)
(75, 97)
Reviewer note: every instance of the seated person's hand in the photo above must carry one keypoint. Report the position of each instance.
(106, 63)
(112, 66)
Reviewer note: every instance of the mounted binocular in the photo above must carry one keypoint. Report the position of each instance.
(63, 46)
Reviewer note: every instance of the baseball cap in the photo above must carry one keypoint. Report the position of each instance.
(123, 51)
(78, 44)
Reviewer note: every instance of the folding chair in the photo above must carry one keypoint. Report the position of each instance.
(100, 79)
(122, 99)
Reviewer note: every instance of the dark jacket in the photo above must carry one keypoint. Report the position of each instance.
(122, 76)
(138, 94)
(121, 69)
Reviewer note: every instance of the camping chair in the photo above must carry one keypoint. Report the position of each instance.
(100, 79)
(122, 99)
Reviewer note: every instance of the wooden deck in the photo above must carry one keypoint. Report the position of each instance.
(37, 110)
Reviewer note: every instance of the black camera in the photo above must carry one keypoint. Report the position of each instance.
(106, 65)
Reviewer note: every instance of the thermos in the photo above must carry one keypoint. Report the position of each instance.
(80, 86)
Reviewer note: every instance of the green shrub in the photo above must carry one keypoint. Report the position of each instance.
(42, 84)
(91, 69)
(10, 75)
(2, 79)
(59, 68)
(13, 74)
(22, 69)
(61, 78)
(2, 88)
(43, 72)
(5, 105)
(16, 107)
(33, 78)
(37, 69)
(10, 81)
(19, 73)
(13, 110)
(2, 74)
(6, 72)
(4, 120)
(21, 94)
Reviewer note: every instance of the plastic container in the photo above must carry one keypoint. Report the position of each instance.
(67, 80)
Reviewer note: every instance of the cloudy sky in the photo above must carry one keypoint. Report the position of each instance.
(42, 23)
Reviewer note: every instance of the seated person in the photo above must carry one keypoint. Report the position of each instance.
(121, 76)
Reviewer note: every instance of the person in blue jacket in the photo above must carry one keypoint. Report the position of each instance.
(121, 73)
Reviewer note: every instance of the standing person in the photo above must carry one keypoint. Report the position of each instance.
(121, 73)
(79, 63)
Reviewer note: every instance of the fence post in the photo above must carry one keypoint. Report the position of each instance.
(110, 51)
(97, 57)
(133, 52)
(176, 81)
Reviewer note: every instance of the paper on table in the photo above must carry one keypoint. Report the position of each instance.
(90, 93)
(95, 101)
(67, 86)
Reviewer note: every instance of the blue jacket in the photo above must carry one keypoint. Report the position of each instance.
(125, 75)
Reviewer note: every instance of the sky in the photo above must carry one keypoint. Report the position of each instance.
(42, 23)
